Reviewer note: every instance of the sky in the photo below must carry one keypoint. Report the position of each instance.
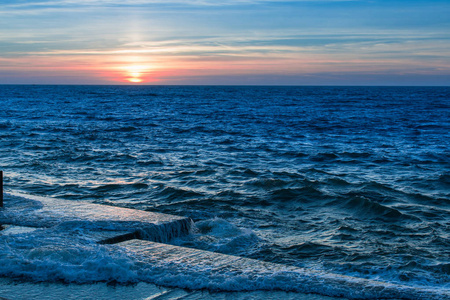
(225, 42)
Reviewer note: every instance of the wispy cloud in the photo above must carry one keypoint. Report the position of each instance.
(272, 43)
(37, 7)
(13, 3)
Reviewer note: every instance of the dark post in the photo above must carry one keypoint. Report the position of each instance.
(1, 188)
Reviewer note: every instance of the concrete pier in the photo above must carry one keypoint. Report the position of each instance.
(108, 224)
(17, 290)
(260, 275)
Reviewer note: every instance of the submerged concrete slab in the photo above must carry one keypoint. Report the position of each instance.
(111, 224)
(209, 270)
(19, 290)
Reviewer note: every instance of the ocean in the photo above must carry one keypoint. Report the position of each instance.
(346, 180)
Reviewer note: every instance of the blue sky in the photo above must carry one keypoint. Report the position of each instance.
(321, 42)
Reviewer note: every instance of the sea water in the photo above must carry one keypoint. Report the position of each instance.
(346, 180)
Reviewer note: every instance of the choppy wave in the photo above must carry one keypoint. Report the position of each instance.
(347, 180)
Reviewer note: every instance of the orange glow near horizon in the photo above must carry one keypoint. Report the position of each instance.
(177, 69)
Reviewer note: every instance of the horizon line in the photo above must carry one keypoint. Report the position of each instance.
(217, 85)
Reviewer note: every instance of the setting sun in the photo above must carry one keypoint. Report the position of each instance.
(136, 73)
(135, 80)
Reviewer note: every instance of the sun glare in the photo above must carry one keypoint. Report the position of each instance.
(136, 73)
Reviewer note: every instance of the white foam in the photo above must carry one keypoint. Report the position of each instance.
(221, 236)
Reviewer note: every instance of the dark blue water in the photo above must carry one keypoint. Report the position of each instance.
(351, 180)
